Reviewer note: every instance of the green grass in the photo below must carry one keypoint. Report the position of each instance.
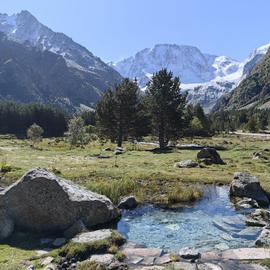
(148, 175)
(180, 194)
(81, 252)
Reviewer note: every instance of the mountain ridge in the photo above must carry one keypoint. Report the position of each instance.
(92, 75)
(208, 77)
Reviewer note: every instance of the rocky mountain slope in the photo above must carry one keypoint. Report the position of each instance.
(205, 77)
(253, 91)
(91, 74)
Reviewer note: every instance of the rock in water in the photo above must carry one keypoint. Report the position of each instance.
(210, 156)
(129, 202)
(246, 185)
(42, 202)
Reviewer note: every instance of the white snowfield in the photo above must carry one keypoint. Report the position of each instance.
(205, 77)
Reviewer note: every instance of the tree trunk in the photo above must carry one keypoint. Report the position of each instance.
(161, 137)
(120, 137)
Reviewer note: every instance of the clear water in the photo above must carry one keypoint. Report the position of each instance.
(209, 224)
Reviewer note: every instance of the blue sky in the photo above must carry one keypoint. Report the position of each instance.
(114, 29)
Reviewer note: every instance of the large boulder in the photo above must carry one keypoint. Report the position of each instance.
(210, 156)
(44, 203)
(246, 185)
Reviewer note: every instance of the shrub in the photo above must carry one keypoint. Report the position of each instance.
(76, 132)
(34, 133)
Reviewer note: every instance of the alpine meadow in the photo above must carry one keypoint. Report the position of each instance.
(123, 148)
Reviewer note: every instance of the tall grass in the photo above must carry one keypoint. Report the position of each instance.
(114, 189)
(184, 194)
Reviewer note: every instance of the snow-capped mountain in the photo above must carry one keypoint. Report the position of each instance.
(25, 28)
(74, 78)
(205, 77)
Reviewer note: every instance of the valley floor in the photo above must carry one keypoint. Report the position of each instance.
(149, 175)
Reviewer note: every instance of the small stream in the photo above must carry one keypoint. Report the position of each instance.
(209, 224)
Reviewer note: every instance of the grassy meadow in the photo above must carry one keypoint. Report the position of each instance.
(140, 171)
(149, 175)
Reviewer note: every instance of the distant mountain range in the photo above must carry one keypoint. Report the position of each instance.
(205, 77)
(252, 92)
(39, 65)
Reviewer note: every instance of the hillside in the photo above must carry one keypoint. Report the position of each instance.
(252, 92)
(30, 75)
(54, 68)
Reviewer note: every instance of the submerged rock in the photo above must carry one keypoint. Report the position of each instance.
(43, 203)
(246, 185)
(186, 164)
(246, 203)
(210, 156)
(129, 202)
(264, 238)
(259, 218)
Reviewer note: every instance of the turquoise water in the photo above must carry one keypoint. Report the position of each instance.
(211, 223)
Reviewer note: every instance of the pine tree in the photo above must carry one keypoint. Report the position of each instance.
(166, 106)
(118, 112)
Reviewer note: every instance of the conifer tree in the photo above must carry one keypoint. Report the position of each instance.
(118, 112)
(166, 106)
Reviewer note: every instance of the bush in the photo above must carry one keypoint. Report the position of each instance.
(76, 132)
(34, 133)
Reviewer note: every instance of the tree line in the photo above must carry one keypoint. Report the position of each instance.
(16, 118)
(252, 120)
(126, 113)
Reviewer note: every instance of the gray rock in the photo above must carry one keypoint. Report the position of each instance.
(189, 146)
(119, 150)
(186, 164)
(47, 261)
(185, 266)
(91, 237)
(259, 218)
(129, 202)
(76, 228)
(51, 267)
(6, 224)
(104, 259)
(210, 156)
(189, 254)
(245, 185)
(42, 202)
(264, 238)
(247, 203)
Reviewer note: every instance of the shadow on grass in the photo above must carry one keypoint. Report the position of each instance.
(166, 150)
